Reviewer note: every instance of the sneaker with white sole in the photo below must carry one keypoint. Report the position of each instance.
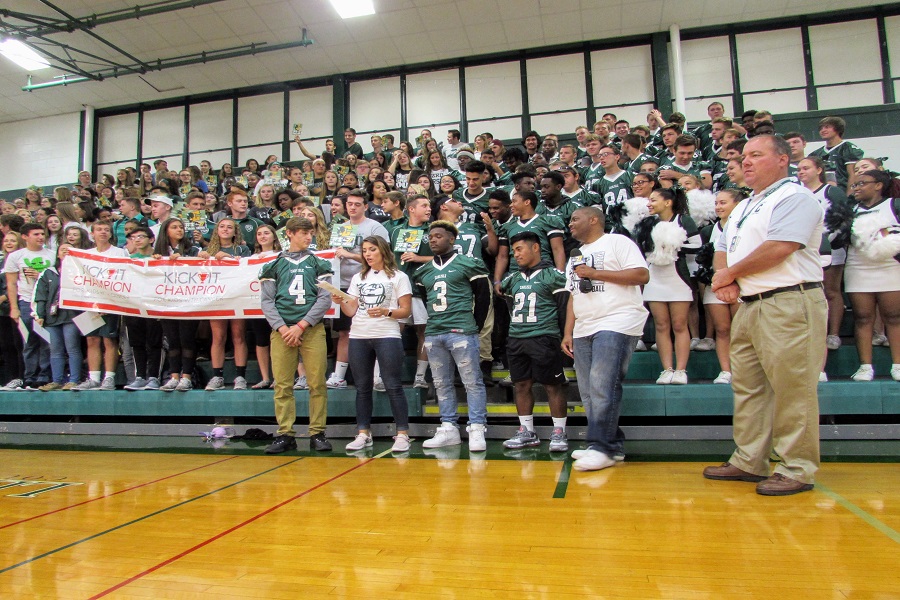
(215, 383)
(640, 346)
(335, 383)
(184, 385)
(240, 383)
(87, 384)
(823, 377)
(445, 435)
(895, 372)
(593, 460)
(833, 342)
(378, 385)
(401, 443)
(558, 440)
(879, 339)
(14, 385)
(618, 456)
(705, 345)
(138, 384)
(694, 343)
(679, 377)
(152, 384)
(477, 442)
(864, 373)
(108, 384)
(361, 441)
(300, 383)
(170, 385)
(724, 378)
(420, 382)
(665, 377)
(522, 439)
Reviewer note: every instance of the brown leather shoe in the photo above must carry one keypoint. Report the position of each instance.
(729, 472)
(779, 485)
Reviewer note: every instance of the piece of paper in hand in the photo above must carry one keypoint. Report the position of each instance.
(40, 332)
(88, 322)
(24, 331)
(334, 291)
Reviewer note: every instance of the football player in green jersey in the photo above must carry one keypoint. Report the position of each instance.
(838, 155)
(457, 296)
(550, 230)
(614, 187)
(555, 203)
(294, 307)
(682, 162)
(539, 302)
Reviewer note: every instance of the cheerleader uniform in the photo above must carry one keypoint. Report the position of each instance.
(827, 195)
(864, 274)
(671, 283)
(709, 297)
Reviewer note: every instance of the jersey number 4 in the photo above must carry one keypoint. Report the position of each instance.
(521, 303)
(297, 290)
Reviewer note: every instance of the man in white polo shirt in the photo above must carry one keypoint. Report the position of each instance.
(768, 257)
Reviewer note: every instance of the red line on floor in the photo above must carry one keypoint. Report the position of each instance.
(222, 534)
(134, 487)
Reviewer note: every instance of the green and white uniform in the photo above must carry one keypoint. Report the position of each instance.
(613, 190)
(535, 310)
(447, 292)
(295, 280)
(545, 227)
(837, 158)
(469, 241)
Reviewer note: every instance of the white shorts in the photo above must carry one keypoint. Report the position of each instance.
(419, 314)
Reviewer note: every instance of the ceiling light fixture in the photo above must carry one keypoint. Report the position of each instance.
(22, 55)
(347, 9)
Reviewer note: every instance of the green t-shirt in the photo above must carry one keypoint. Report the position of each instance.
(295, 281)
(448, 294)
(410, 239)
(545, 226)
(248, 227)
(394, 224)
(534, 311)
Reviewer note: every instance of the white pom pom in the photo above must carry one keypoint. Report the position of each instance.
(702, 206)
(635, 211)
(870, 239)
(668, 238)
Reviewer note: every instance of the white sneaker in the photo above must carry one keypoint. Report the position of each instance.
(420, 382)
(694, 343)
(300, 383)
(864, 373)
(334, 383)
(879, 339)
(665, 378)
(593, 460)
(445, 435)
(108, 384)
(640, 346)
(655, 348)
(724, 377)
(170, 385)
(240, 383)
(576, 454)
(706, 344)
(362, 440)
(476, 437)
(215, 383)
(401, 443)
(833, 342)
(87, 384)
(679, 378)
(184, 385)
(139, 383)
(823, 377)
(378, 385)
(895, 372)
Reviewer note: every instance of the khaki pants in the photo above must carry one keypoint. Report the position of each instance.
(484, 336)
(284, 371)
(777, 352)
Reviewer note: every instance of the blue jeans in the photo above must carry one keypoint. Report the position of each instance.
(601, 362)
(65, 340)
(36, 353)
(443, 351)
(389, 353)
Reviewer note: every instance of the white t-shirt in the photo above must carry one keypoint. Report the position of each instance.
(377, 290)
(40, 261)
(609, 306)
(112, 252)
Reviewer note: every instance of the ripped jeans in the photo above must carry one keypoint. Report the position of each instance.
(443, 351)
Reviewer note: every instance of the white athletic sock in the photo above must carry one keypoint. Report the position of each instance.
(377, 373)
(110, 374)
(340, 369)
(95, 375)
(421, 367)
(559, 422)
(527, 422)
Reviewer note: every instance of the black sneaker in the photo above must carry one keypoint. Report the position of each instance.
(320, 442)
(282, 443)
(486, 374)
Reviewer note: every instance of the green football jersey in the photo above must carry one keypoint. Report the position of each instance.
(634, 166)
(410, 239)
(534, 310)
(563, 211)
(468, 242)
(583, 197)
(614, 190)
(589, 174)
(295, 281)
(837, 158)
(545, 226)
(448, 294)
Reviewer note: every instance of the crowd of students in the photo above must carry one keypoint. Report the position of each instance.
(669, 188)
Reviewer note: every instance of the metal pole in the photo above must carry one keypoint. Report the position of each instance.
(87, 149)
(677, 69)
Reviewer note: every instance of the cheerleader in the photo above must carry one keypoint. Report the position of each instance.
(872, 273)
(720, 313)
(811, 173)
(666, 237)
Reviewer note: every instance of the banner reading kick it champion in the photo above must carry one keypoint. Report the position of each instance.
(185, 288)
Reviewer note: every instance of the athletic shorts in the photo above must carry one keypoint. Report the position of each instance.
(536, 358)
(109, 329)
(342, 322)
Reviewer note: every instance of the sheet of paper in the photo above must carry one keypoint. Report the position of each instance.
(88, 322)
(41, 332)
(334, 291)
(24, 331)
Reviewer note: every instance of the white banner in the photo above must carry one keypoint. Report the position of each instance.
(185, 288)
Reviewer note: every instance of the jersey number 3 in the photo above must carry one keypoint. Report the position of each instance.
(441, 304)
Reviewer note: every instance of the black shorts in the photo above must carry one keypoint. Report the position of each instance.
(536, 358)
(342, 322)
(109, 329)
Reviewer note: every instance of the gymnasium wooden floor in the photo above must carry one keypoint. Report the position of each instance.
(94, 524)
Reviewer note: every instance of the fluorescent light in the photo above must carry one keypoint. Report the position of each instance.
(348, 9)
(22, 55)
